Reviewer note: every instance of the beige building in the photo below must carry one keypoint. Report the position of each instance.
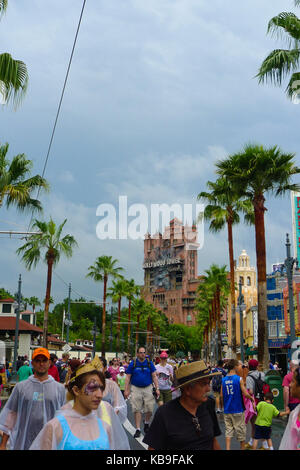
(247, 274)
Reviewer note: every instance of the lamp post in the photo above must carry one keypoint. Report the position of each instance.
(289, 265)
(94, 332)
(68, 320)
(241, 307)
(111, 325)
(17, 306)
(254, 311)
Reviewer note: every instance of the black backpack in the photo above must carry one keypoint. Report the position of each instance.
(258, 386)
(216, 382)
(148, 364)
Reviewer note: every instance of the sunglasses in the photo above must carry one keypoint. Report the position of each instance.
(197, 425)
(40, 361)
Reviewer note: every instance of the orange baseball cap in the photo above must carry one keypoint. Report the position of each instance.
(41, 352)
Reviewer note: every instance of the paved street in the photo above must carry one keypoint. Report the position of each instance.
(278, 428)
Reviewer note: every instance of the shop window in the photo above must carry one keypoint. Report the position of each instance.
(272, 329)
(281, 329)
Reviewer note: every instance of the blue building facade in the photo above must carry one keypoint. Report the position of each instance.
(278, 340)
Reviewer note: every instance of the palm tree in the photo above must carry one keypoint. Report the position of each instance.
(132, 291)
(253, 173)
(176, 340)
(204, 306)
(13, 73)
(104, 268)
(54, 245)
(116, 292)
(34, 302)
(139, 307)
(223, 209)
(16, 185)
(281, 62)
(218, 285)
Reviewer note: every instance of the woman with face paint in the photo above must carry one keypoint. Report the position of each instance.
(85, 423)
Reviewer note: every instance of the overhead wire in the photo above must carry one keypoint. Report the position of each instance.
(60, 102)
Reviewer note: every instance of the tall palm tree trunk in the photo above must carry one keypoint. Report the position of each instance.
(137, 333)
(148, 329)
(128, 330)
(259, 210)
(218, 325)
(232, 288)
(118, 325)
(104, 316)
(47, 300)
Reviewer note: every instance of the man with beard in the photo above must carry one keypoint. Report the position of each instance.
(188, 422)
(31, 405)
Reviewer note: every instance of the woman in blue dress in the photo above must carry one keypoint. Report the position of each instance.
(86, 425)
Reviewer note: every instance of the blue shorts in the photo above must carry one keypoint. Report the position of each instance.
(262, 432)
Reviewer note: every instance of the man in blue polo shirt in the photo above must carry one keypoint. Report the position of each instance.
(140, 375)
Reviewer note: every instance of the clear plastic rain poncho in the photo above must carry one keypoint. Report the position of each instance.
(30, 406)
(291, 437)
(114, 397)
(69, 430)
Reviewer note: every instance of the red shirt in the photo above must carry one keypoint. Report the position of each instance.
(53, 370)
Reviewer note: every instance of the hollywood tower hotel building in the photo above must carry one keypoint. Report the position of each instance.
(170, 272)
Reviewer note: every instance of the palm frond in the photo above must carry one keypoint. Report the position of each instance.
(285, 23)
(293, 88)
(278, 65)
(13, 79)
(3, 6)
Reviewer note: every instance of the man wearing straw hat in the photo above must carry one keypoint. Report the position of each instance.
(189, 422)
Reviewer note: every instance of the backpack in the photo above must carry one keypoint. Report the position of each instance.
(148, 364)
(216, 381)
(260, 387)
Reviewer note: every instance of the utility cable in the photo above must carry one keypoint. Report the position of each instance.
(60, 103)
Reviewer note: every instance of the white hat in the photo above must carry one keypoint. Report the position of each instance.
(122, 369)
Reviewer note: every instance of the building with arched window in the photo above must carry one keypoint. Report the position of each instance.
(245, 273)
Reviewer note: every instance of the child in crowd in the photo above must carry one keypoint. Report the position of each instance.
(121, 379)
(291, 436)
(266, 411)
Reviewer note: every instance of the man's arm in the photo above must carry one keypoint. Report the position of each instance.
(4, 440)
(245, 392)
(216, 445)
(155, 381)
(127, 386)
(286, 397)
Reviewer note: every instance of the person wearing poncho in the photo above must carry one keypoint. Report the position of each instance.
(85, 422)
(31, 405)
(113, 395)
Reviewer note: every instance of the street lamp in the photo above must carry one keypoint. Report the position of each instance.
(241, 307)
(94, 332)
(254, 311)
(17, 305)
(289, 265)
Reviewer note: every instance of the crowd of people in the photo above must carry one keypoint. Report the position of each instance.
(68, 404)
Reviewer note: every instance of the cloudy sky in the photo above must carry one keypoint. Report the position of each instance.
(158, 91)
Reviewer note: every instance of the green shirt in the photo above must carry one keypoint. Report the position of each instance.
(265, 413)
(121, 381)
(24, 372)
